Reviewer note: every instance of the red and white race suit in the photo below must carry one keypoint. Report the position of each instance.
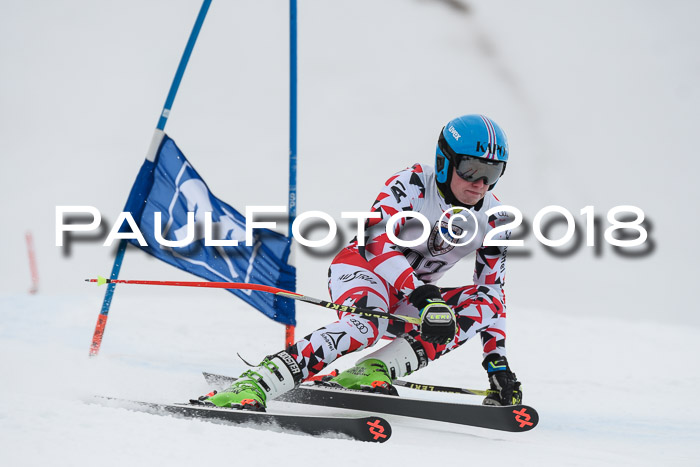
(381, 274)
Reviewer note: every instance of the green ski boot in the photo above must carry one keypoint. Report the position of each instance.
(246, 393)
(276, 375)
(368, 375)
(376, 372)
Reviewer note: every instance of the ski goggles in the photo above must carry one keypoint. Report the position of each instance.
(473, 168)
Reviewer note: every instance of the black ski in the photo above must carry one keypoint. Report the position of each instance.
(514, 418)
(372, 429)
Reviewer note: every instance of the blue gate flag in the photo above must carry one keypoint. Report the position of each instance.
(170, 185)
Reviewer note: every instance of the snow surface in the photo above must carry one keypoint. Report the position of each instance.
(627, 406)
(600, 103)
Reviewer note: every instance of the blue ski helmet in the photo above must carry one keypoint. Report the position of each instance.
(475, 146)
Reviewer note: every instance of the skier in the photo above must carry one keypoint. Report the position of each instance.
(455, 196)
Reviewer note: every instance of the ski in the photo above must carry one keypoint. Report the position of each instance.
(514, 418)
(225, 381)
(371, 429)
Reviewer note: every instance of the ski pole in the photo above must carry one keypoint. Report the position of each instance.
(396, 382)
(436, 388)
(366, 312)
(404, 384)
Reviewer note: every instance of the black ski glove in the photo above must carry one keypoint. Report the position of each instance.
(505, 387)
(438, 325)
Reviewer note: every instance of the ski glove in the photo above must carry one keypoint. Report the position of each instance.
(505, 387)
(438, 325)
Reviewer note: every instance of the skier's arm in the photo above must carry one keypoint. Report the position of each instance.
(405, 191)
(489, 273)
